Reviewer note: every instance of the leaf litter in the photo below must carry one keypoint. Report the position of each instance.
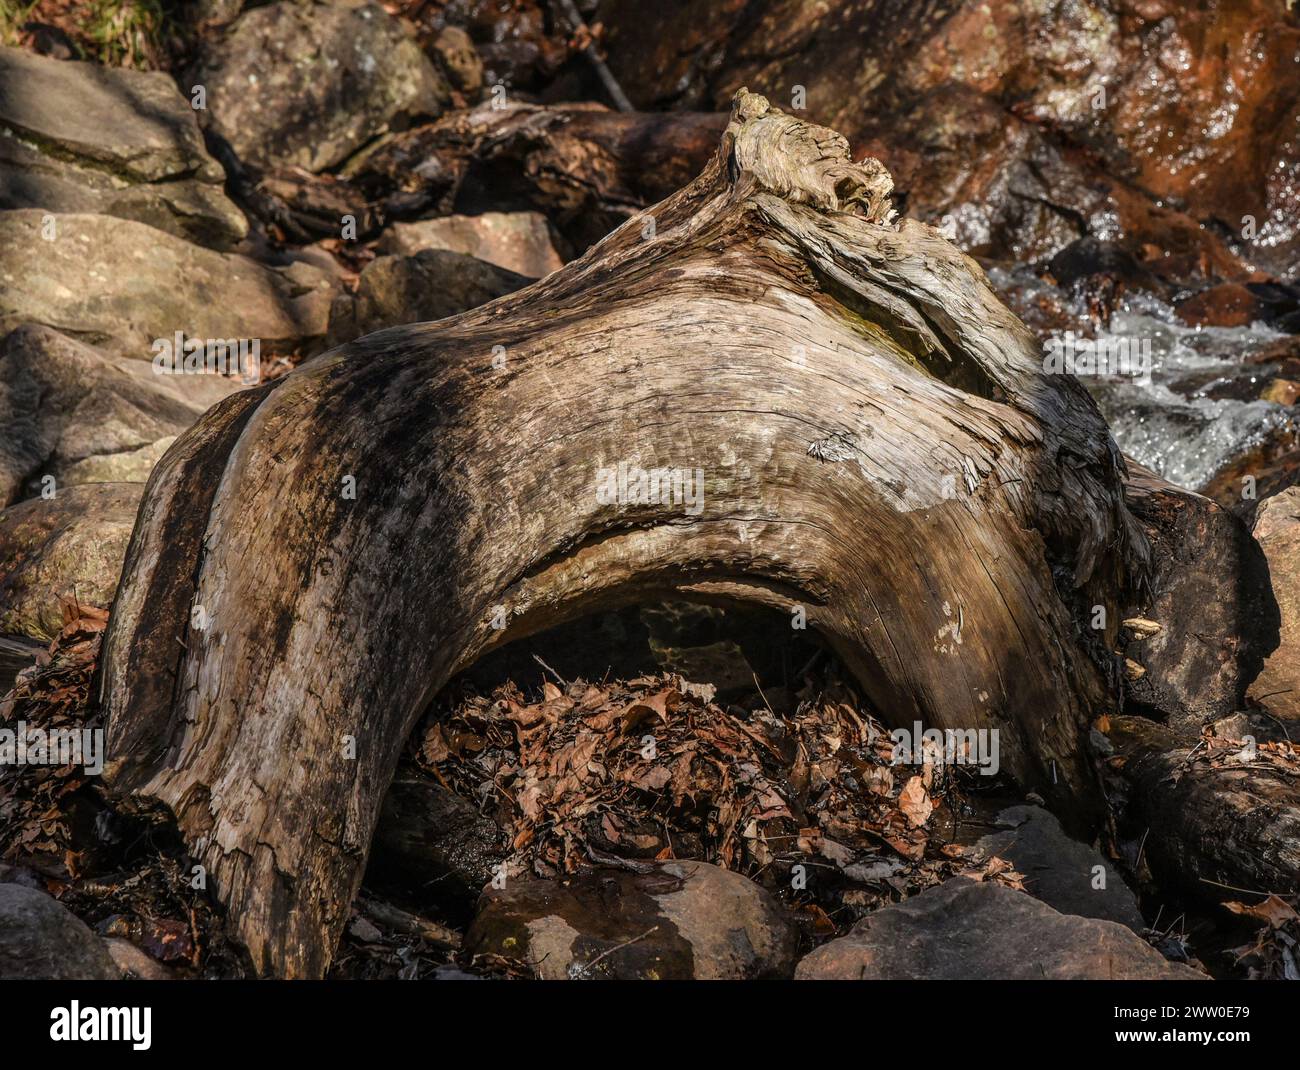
(653, 768)
(125, 876)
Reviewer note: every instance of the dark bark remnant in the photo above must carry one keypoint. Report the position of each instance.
(1209, 824)
(1211, 596)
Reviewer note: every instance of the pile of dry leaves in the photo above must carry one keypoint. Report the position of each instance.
(123, 877)
(1275, 953)
(51, 695)
(654, 768)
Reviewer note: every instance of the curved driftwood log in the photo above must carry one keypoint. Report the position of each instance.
(877, 441)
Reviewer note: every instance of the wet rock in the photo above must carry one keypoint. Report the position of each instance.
(517, 241)
(1279, 304)
(1027, 125)
(79, 137)
(1281, 392)
(133, 964)
(122, 285)
(428, 286)
(432, 848)
(307, 85)
(82, 416)
(1060, 871)
(42, 940)
(968, 930)
(1229, 304)
(70, 545)
(674, 921)
(1211, 598)
(1083, 260)
(1267, 468)
(1277, 530)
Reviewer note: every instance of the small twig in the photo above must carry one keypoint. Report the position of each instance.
(1142, 847)
(586, 966)
(543, 664)
(1234, 888)
(1265, 713)
(580, 27)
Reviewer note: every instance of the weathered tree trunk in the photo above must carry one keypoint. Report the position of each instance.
(1209, 824)
(878, 445)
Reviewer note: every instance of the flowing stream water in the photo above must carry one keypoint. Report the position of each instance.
(1198, 409)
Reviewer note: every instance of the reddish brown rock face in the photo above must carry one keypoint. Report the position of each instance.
(1173, 126)
(1227, 305)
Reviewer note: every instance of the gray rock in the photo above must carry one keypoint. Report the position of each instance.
(1059, 870)
(970, 930)
(73, 412)
(80, 137)
(428, 286)
(19, 875)
(74, 543)
(516, 241)
(42, 940)
(675, 921)
(307, 84)
(122, 285)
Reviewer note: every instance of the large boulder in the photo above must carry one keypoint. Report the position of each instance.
(82, 416)
(40, 940)
(1067, 875)
(123, 285)
(1277, 530)
(428, 286)
(517, 241)
(79, 137)
(307, 84)
(71, 545)
(970, 930)
(673, 921)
